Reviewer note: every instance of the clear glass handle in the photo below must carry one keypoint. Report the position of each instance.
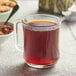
(18, 46)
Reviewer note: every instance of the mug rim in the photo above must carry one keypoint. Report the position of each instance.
(47, 15)
(57, 22)
(10, 32)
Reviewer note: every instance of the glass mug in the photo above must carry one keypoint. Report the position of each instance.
(41, 40)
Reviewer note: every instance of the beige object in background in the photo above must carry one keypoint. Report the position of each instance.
(6, 5)
(4, 9)
(9, 3)
(2, 1)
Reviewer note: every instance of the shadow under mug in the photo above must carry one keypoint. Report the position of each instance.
(41, 40)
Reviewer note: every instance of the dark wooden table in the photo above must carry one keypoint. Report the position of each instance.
(11, 59)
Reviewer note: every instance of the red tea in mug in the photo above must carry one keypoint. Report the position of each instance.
(41, 43)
